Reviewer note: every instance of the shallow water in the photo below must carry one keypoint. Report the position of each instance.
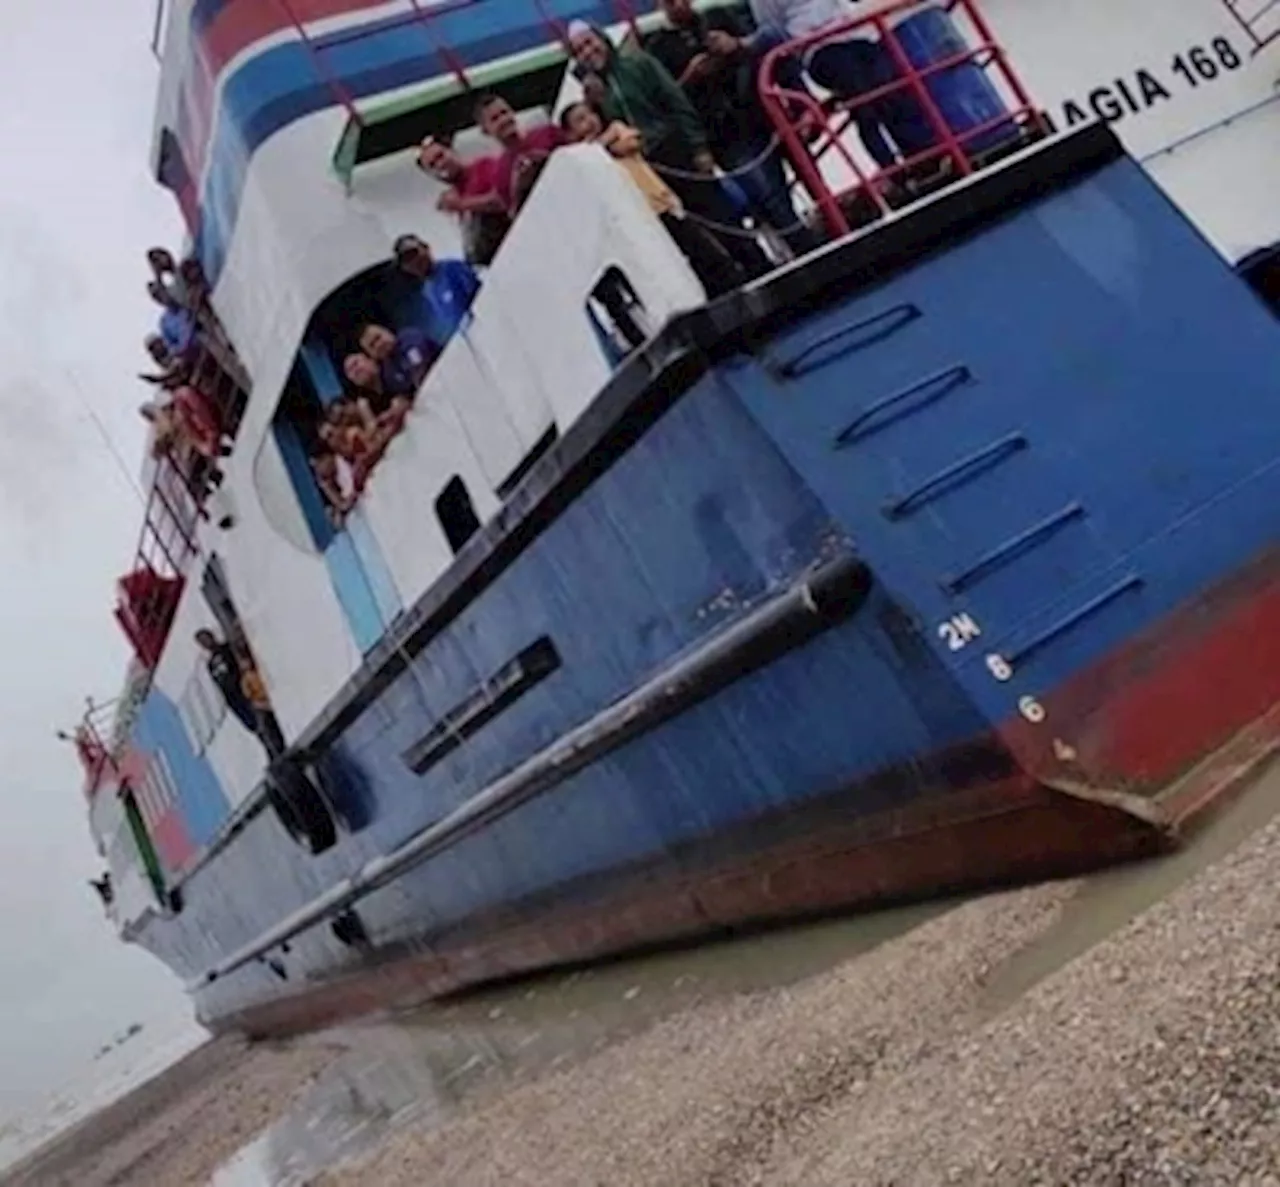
(1109, 901)
(418, 1066)
(102, 1080)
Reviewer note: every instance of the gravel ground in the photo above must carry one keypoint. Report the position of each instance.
(1152, 1059)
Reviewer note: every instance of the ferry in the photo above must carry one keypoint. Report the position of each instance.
(938, 552)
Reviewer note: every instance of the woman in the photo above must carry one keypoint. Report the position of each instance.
(186, 417)
(636, 89)
(583, 124)
(355, 435)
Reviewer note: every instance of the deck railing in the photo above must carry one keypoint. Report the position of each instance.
(811, 129)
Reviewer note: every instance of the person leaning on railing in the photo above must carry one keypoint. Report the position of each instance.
(442, 290)
(472, 195)
(523, 152)
(709, 55)
(848, 65)
(635, 89)
(186, 429)
(714, 267)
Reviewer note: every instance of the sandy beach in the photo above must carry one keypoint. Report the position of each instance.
(1070, 1033)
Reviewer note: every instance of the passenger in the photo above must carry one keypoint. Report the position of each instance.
(472, 195)
(158, 349)
(523, 153)
(165, 436)
(713, 265)
(224, 671)
(637, 90)
(446, 289)
(371, 408)
(177, 324)
(848, 66)
(191, 274)
(198, 421)
(163, 358)
(347, 428)
(164, 271)
(336, 479)
(255, 692)
(707, 54)
(186, 430)
(212, 335)
(225, 668)
(388, 370)
(358, 437)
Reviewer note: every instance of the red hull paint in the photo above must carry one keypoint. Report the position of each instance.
(1157, 706)
(1138, 719)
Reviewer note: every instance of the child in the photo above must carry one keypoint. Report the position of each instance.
(718, 272)
(336, 480)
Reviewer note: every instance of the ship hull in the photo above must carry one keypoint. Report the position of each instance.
(969, 819)
(975, 816)
(613, 724)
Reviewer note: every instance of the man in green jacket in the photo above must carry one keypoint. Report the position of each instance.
(635, 88)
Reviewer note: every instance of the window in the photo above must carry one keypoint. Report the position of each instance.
(618, 315)
(201, 708)
(364, 357)
(456, 513)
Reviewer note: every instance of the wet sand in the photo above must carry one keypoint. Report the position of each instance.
(180, 1127)
(1070, 1033)
(1117, 1029)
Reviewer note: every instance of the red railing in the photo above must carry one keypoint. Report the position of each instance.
(809, 129)
(90, 738)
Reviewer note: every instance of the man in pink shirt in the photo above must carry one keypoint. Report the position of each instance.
(523, 153)
(471, 186)
(472, 195)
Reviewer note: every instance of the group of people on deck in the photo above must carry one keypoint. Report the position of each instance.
(199, 380)
(384, 374)
(679, 110)
(682, 112)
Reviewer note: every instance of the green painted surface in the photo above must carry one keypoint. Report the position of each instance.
(142, 840)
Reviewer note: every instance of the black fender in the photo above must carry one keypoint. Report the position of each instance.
(300, 806)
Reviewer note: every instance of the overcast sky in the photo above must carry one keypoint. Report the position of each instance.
(77, 211)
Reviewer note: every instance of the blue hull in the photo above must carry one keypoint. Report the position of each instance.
(1055, 428)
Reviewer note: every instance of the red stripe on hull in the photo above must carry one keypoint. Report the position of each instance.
(242, 22)
(172, 841)
(1167, 699)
